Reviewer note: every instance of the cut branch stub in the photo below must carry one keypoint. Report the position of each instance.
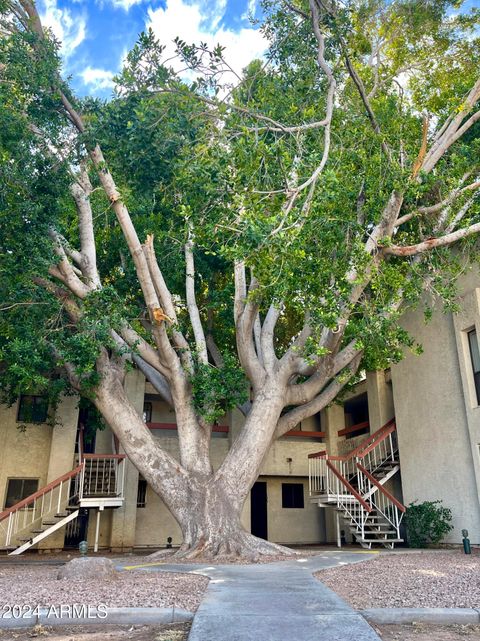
(159, 316)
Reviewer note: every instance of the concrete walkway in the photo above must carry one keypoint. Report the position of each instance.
(274, 602)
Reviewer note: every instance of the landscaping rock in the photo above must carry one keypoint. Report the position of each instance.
(88, 567)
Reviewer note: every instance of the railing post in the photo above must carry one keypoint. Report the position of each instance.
(9, 529)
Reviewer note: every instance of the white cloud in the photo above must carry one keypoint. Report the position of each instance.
(97, 79)
(251, 9)
(124, 4)
(70, 31)
(200, 22)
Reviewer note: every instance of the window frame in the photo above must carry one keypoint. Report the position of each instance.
(23, 494)
(147, 411)
(22, 410)
(475, 374)
(142, 488)
(293, 498)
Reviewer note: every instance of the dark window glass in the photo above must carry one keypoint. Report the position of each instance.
(19, 489)
(356, 413)
(32, 409)
(147, 412)
(475, 358)
(142, 493)
(292, 495)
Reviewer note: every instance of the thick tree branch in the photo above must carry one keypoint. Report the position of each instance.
(267, 337)
(437, 207)
(245, 312)
(432, 243)
(454, 130)
(192, 306)
(330, 366)
(64, 270)
(166, 300)
(292, 418)
(81, 191)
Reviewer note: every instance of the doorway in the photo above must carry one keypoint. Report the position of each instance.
(76, 530)
(258, 506)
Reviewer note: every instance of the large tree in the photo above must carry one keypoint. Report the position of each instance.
(247, 245)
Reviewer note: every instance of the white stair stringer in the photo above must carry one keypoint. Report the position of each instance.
(43, 535)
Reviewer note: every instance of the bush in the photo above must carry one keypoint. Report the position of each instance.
(427, 522)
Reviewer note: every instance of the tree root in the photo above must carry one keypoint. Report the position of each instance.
(242, 546)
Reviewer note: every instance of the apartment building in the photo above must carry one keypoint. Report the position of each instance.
(407, 434)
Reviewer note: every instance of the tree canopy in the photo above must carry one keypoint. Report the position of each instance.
(265, 232)
(253, 171)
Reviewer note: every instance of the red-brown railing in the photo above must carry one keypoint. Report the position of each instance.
(364, 446)
(349, 487)
(173, 426)
(330, 476)
(98, 476)
(383, 490)
(30, 500)
(224, 429)
(359, 427)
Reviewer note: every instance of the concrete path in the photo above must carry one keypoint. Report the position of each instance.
(275, 602)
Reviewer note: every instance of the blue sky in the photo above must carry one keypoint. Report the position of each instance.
(96, 34)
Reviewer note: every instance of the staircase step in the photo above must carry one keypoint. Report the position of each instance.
(381, 540)
(37, 531)
(353, 530)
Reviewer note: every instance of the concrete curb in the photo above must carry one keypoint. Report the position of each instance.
(434, 616)
(85, 615)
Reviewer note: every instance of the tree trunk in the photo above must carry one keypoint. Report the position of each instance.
(211, 526)
(206, 505)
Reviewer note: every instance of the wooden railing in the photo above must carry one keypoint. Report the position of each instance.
(173, 426)
(98, 475)
(359, 427)
(43, 505)
(224, 429)
(333, 476)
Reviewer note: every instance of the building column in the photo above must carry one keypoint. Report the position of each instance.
(380, 399)
(333, 420)
(122, 536)
(62, 454)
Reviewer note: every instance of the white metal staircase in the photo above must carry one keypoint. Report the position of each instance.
(354, 485)
(97, 482)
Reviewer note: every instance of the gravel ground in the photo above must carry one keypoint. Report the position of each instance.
(430, 579)
(429, 632)
(174, 632)
(38, 585)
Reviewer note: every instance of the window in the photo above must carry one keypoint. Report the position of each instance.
(32, 409)
(142, 493)
(147, 412)
(475, 358)
(292, 495)
(19, 489)
(356, 417)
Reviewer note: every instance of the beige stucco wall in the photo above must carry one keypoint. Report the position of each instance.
(285, 525)
(23, 454)
(438, 420)
(40, 451)
(292, 525)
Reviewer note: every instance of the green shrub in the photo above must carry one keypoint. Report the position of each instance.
(427, 522)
